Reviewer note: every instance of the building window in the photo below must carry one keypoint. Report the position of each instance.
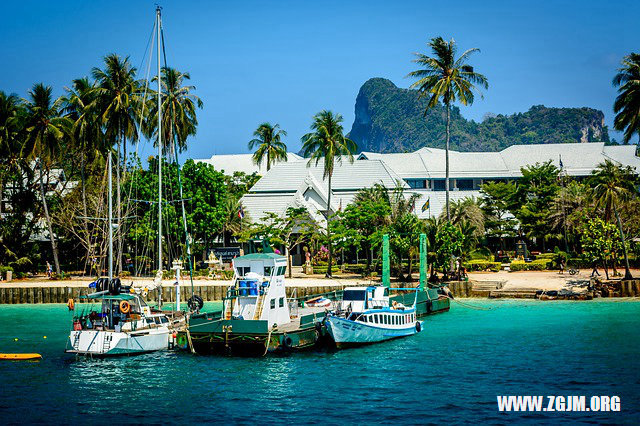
(438, 184)
(417, 183)
(464, 184)
(281, 302)
(273, 303)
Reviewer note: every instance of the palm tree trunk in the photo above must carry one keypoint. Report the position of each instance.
(627, 272)
(329, 260)
(446, 180)
(54, 247)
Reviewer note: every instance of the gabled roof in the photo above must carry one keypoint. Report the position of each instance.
(578, 159)
(231, 163)
(286, 177)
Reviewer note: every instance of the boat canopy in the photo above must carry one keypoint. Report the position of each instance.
(123, 296)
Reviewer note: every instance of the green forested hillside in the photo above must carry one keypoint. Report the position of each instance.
(390, 119)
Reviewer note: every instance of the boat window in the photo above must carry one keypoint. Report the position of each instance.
(243, 270)
(376, 318)
(363, 318)
(384, 319)
(149, 321)
(267, 271)
(354, 295)
(281, 303)
(164, 320)
(281, 270)
(157, 320)
(273, 303)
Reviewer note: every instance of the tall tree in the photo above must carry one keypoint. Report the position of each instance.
(612, 185)
(627, 104)
(11, 124)
(45, 130)
(268, 144)
(326, 142)
(86, 133)
(179, 104)
(443, 77)
(119, 108)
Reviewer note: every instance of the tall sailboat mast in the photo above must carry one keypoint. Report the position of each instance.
(158, 24)
(110, 217)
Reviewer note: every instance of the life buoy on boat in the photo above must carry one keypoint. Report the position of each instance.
(71, 304)
(418, 326)
(125, 307)
(287, 343)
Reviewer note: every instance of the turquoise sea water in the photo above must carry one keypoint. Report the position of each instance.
(451, 372)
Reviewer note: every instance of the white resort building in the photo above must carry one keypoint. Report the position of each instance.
(293, 183)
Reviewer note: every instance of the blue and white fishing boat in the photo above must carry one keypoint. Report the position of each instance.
(365, 315)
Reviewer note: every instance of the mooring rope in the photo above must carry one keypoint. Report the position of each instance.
(470, 306)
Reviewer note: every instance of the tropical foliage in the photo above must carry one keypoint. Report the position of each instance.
(326, 143)
(268, 145)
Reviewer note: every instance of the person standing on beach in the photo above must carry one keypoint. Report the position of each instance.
(49, 270)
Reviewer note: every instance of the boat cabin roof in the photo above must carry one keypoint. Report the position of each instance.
(123, 296)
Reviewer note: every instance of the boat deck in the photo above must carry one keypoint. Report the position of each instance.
(294, 325)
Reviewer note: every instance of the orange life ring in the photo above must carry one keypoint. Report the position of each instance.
(125, 307)
(71, 304)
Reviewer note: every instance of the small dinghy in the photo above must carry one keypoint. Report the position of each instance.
(19, 357)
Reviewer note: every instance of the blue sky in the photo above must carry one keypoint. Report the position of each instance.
(283, 61)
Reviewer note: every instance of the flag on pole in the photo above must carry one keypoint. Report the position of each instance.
(241, 213)
(425, 206)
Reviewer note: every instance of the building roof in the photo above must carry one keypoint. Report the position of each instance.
(231, 163)
(286, 177)
(578, 159)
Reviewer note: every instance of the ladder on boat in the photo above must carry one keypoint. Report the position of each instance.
(259, 306)
(76, 341)
(106, 343)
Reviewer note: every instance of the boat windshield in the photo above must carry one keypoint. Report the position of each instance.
(354, 295)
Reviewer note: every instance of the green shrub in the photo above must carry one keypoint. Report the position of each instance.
(482, 265)
(355, 268)
(481, 253)
(550, 256)
(323, 269)
(536, 265)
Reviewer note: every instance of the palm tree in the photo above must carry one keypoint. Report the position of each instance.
(11, 123)
(468, 210)
(179, 105)
(327, 143)
(118, 106)
(612, 185)
(627, 104)
(45, 132)
(234, 222)
(86, 132)
(270, 147)
(443, 77)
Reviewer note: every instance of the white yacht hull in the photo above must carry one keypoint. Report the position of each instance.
(111, 343)
(346, 332)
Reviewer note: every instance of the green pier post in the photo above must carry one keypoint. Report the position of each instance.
(386, 276)
(423, 261)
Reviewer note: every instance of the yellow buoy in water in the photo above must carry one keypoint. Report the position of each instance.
(44, 337)
(19, 357)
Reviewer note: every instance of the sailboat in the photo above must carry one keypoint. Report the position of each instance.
(124, 324)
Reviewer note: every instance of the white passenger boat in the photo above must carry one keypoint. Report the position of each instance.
(123, 325)
(365, 316)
